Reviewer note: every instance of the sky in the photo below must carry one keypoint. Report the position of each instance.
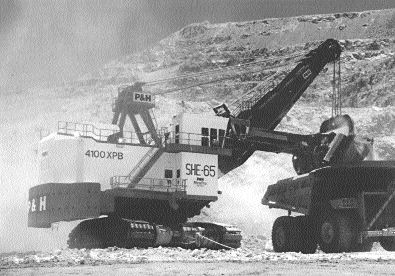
(50, 42)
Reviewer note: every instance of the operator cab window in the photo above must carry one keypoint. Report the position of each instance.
(169, 174)
(221, 137)
(177, 134)
(205, 137)
(214, 137)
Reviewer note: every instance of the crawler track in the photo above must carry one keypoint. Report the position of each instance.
(125, 233)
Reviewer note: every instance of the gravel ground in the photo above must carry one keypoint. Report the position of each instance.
(254, 257)
(218, 268)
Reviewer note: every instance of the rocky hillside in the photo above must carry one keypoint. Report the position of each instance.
(368, 59)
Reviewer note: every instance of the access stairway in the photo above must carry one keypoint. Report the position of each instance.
(145, 164)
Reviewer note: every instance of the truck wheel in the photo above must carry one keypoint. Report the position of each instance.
(284, 234)
(307, 243)
(336, 233)
(388, 243)
(365, 246)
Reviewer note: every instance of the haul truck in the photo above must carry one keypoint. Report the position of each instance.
(345, 207)
(139, 188)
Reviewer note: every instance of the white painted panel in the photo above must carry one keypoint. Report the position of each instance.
(165, 161)
(68, 159)
(191, 126)
(107, 160)
(201, 173)
(57, 156)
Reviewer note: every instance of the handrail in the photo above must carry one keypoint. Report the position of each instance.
(129, 137)
(144, 160)
(101, 134)
(156, 184)
(256, 94)
(187, 138)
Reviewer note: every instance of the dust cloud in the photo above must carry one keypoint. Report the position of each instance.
(18, 172)
(242, 192)
(48, 43)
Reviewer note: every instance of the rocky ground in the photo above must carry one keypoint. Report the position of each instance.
(281, 267)
(254, 257)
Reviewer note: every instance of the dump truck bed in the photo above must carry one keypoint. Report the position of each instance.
(343, 186)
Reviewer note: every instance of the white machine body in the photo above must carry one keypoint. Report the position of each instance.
(71, 158)
(198, 129)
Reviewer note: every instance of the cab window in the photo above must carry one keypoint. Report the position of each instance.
(168, 174)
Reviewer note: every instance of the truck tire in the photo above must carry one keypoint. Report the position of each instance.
(336, 233)
(307, 242)
(284, 234)
(388, 243)
(365, 246)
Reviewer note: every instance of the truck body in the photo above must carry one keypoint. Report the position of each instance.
(346, 208)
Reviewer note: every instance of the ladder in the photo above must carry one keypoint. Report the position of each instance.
(144, 160)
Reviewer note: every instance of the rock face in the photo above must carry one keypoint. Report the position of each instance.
(368, 60)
